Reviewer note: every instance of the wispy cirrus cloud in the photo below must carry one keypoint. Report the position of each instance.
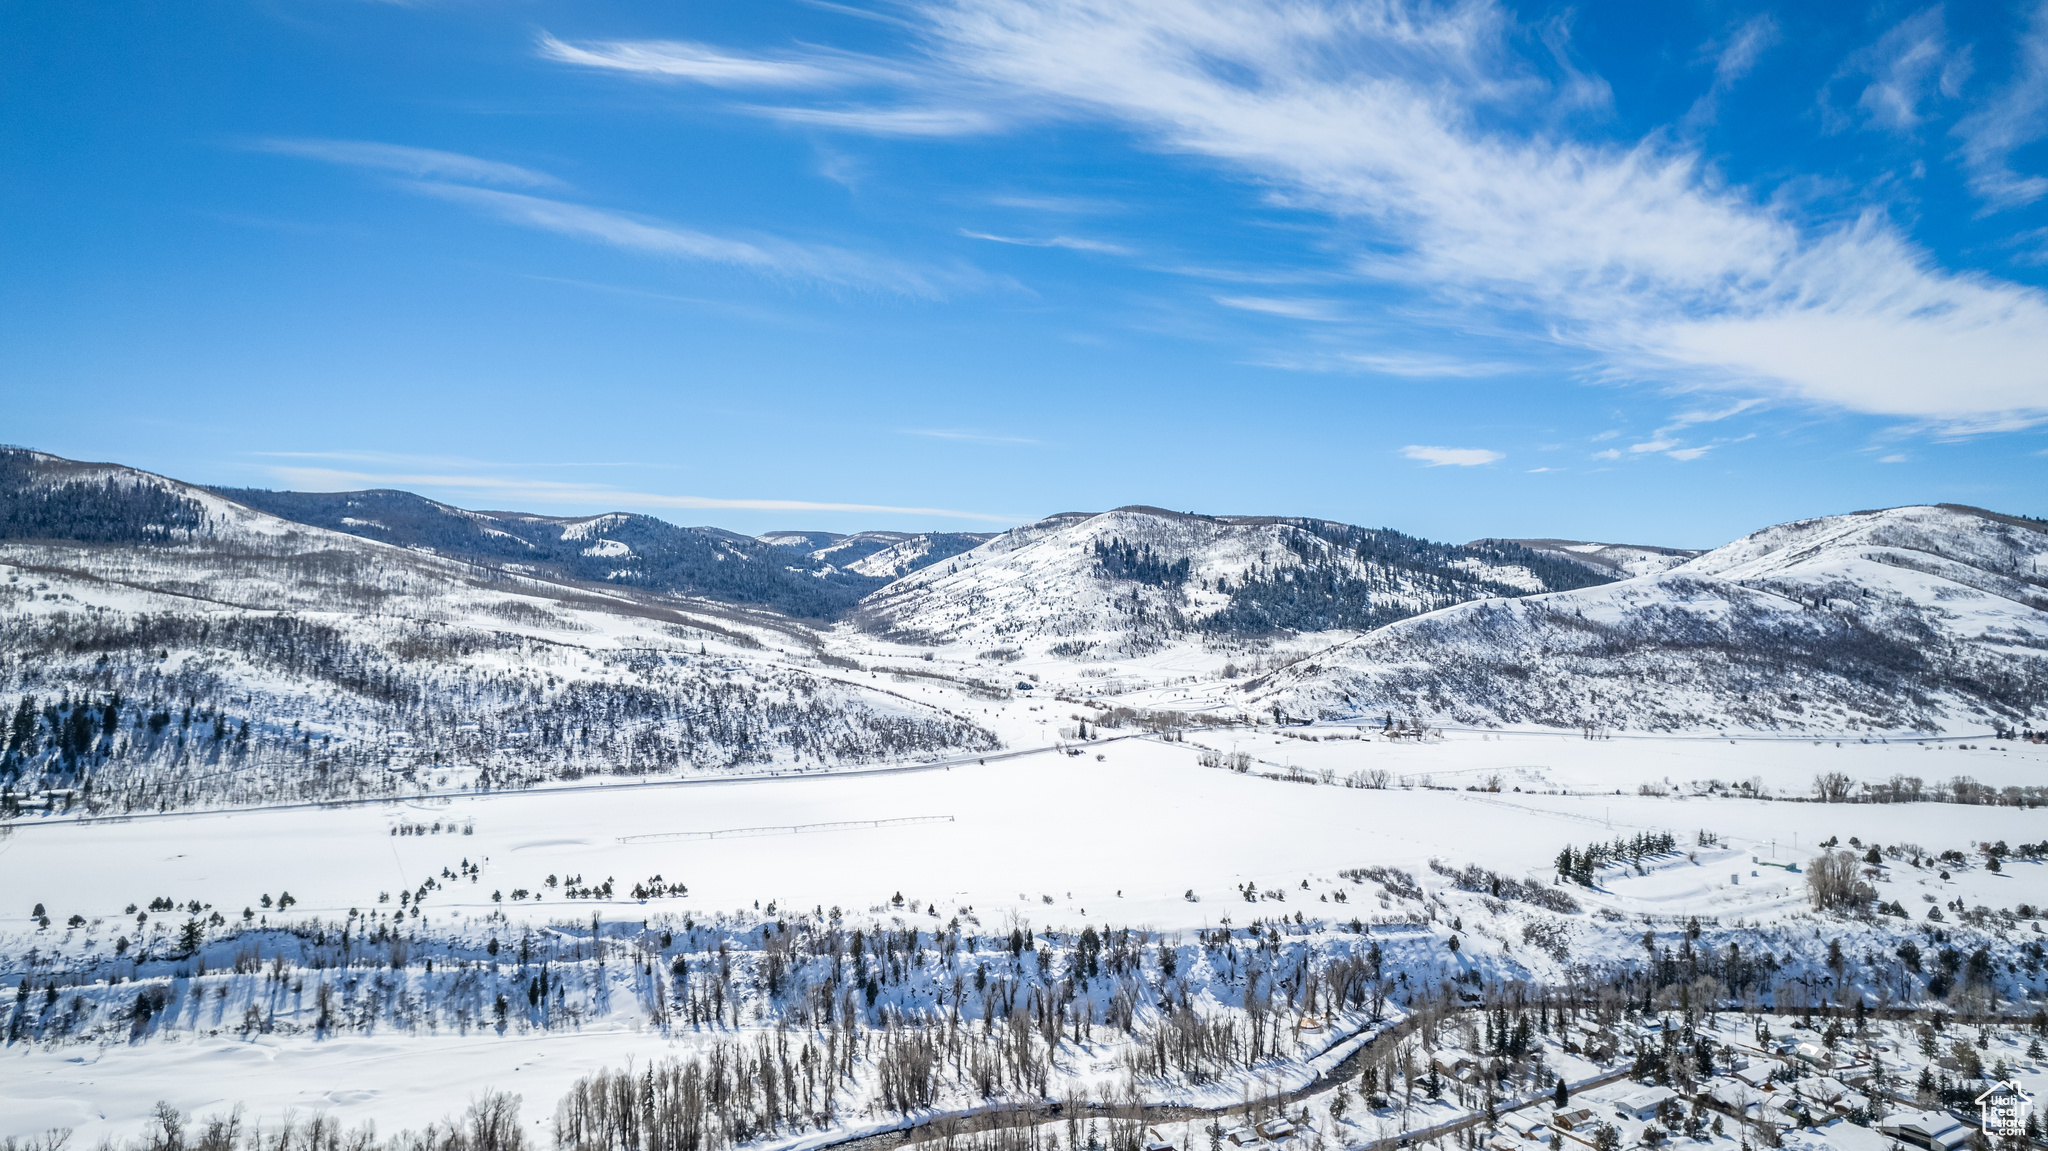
(818, 263)
(1452, 457)
(811, 69)
(1434, 141)
(884, 121)
(1734, 58)
(2014, 118)
(1407, 365)
(467, 180)
(1072, 205)
(971, 437)
(420, 163)
(538, 491)
(686, 60)
(1902, 73)
(1323, 311)
(1072, 243)
(1371, 111)
(410, 460)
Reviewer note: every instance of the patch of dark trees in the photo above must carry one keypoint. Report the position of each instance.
(1119, 560)
(1401, 576)
(38, 502)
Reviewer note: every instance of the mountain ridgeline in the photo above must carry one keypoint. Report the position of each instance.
(163, 646)
(1336, 576)
(620, 548)
(1344, 578)
(345, 643)
(1332, 576)
(60, 500)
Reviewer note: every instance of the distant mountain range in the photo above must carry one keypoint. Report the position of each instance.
(1901, 619)
(164, 643)
(1252, 574)
(1130, 580)
(808, 575)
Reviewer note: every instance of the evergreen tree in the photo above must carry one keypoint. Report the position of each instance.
(21, 734)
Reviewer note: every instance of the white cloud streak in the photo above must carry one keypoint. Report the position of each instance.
(659, 238)
(684, 60)
(455, 178)
(2016, 117)
(1421, 366)
(420, 163)
(1072, 243)
(1451, 457)
(1733, 60)
(1386, 115)
(1372, 111)
(1322, 311)
(1904, 70)
(555, 492)
(884, 121)
(968, 437)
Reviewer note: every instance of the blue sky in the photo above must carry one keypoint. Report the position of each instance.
(1653, 273)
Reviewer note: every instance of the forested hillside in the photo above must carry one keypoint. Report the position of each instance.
(619, 548)
(165, 646)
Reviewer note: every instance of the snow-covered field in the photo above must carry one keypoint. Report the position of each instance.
(1124, 836)
(1037, 818)
(1121, 835)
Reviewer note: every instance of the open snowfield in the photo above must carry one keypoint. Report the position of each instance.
(1122, 838)
(396, 1081)
(1119, 834)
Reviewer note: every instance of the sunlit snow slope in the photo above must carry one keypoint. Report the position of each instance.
(1131, 580)
(172, 646)
(1915, 617)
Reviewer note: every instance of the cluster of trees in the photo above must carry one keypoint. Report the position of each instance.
(109, 714)
(1836, 787)
(999, 1009)
(44, 498)
(1833, 882)
(72, 730)
(1116, 559)
(1580, 864)
(490, 1123)
(1361, 579)
(1478, 879)
(819, 1021)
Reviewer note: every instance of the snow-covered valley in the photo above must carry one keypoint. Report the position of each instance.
(1123, 811)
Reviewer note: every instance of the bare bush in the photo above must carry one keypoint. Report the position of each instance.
(1832, 787)
(1832, 882)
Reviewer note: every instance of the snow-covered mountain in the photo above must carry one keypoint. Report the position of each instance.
(915, 553)
(876, 555)
(1132, 579)
(180, 644)
(1914, 617)
(164, 644)
(619, 548)
(1619, 561)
